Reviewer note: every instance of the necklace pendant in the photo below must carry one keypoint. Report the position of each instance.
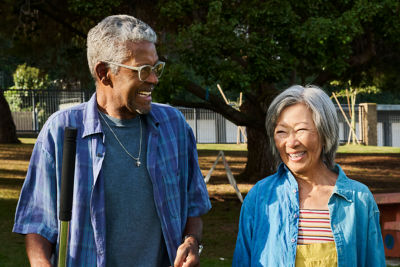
(138, 163)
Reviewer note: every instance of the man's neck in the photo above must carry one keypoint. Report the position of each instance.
(107, 105)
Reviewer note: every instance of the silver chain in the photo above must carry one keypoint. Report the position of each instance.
(116, 137)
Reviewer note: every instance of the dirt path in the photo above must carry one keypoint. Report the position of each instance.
(381, 173)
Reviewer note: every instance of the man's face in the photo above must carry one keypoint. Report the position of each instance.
(132, 95)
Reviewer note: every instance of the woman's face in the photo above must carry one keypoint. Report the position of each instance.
(297, 140)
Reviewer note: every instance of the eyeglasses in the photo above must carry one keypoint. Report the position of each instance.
(145, 70)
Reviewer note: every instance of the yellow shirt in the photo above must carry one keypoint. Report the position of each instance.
(317, 254)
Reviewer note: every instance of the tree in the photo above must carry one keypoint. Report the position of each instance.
(8, 132)
(257, 47)
(261, 47)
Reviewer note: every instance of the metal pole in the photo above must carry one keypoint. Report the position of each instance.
(66, 195)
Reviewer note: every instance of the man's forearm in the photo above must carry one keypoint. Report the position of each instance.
(194, 227)
(188, 251)
(39, 250)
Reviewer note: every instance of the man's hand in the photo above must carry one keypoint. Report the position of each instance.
(188, 253)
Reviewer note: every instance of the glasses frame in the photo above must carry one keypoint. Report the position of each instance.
(139, 69)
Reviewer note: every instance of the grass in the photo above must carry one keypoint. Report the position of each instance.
(224, 147)
(361, 149)
(14, 160)
(220, 224)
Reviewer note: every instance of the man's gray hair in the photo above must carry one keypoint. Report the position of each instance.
(324, 116)
(107, 40)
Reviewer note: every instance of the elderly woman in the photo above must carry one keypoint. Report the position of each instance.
(309, 213)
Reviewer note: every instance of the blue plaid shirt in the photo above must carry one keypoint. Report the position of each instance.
(179, 188)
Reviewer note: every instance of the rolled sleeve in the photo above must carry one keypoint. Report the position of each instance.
(199, 201)
(37, 207)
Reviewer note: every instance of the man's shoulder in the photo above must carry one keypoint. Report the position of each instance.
(164, 111)
(71, 116)
(159, 107)
(65, 115)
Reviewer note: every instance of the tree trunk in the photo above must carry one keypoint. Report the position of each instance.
(259, 160)
(8, 133)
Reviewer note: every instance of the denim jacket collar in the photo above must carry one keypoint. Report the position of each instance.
(341, 186)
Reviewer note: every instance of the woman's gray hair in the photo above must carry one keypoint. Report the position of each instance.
(324, 116)
(107, 40)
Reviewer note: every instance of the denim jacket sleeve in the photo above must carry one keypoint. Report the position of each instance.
(375, 256)
(242, 254)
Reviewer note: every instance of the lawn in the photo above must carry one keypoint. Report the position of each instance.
(220, 224)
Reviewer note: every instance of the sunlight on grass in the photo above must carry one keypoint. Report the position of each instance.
(360, 149)
(224, 189)
(6, 193)
(342, 149)
(224, 147)
(30, 141)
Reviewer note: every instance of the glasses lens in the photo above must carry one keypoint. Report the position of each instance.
(158, 69)
(144, 72)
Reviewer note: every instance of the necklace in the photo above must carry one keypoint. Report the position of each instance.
(116, 137)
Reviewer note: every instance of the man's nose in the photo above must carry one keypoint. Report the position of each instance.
(152, 78)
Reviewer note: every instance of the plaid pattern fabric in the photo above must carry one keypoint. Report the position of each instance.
(179, 188)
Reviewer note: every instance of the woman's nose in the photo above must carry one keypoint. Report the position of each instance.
(292, 140)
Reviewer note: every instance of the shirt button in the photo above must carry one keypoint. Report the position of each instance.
(295, 191)
(295, 215)
(99, 154)
(293, 240)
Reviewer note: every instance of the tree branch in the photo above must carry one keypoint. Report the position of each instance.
(216, 104)
(58, 19)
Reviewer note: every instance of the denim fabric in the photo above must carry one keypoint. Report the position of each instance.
(178, 185)
(269, 218)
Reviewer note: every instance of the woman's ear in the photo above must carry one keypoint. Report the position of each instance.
(101, 71)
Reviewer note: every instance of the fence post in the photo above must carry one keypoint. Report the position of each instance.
(369, 122)
(34, 113)
(195, 124)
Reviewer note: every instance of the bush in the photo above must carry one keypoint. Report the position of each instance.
(26, 77)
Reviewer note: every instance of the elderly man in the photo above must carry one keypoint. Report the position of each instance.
(139, 192)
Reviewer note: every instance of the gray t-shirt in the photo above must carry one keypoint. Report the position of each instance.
(133, 228)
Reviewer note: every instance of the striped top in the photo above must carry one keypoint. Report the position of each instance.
(314, 227)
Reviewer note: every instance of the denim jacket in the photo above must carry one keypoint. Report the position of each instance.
(268, 227)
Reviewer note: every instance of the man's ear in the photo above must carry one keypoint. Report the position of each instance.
(102, 71)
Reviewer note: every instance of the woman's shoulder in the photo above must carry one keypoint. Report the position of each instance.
(344, 182)
(268, 184)
(360, 191)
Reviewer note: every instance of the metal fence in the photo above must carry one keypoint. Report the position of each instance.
(388, 128)
(211, 127)
(31, 109)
